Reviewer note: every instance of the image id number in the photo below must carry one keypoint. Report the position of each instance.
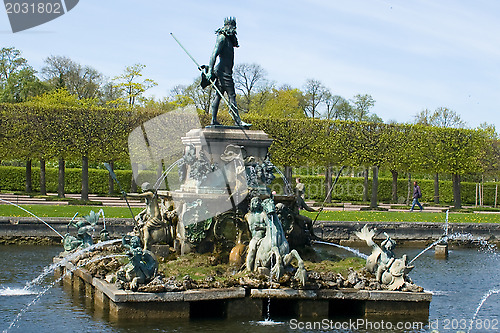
(32, 8)
(478, 324)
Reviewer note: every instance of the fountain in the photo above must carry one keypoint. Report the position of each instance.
(206, 208)
(46, 289)
(389, 271)
(205, 211)
(106, 290)
(441, 249)
(458, 236)
(347, 248)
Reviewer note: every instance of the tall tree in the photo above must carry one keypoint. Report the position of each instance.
(132, 84)
(315, 94)
(21, 86)
(110, 96)
(399, 153)
(285, 103)
(334, 148)
(16, 78)
(338, 108)
(460, 150)
(491, 159)
(371, 142)
(68, 124)
(249, 79)
(10, 62)
(83, 81)
(362, 105)
(441, 117)
(19, 128)
(18, 81)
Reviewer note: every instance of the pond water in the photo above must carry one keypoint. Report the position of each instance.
(458, 285)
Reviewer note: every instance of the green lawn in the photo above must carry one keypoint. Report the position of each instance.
(366, 216)
(403, 217)
(65, 211)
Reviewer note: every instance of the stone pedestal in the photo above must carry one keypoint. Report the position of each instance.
(224, 148)
(256, 142)
(219, 167)
(441, 251)
(101, 301)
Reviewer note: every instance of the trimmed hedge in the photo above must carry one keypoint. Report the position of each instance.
(347, 188)
(13, 179)
(351, 189)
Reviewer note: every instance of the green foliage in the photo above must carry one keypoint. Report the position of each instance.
(10, 62)
(293, 139)
(84, 82)
(129, 82)
(21, 86)
(441, 117)
(62, 98)
(362, 105)
(13, 179)
(350, 189)
(58, 124)
(282, 104)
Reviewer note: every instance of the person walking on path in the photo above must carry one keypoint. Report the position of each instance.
(417, 194)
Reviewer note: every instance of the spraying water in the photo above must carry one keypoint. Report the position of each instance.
(165, 174)
(288, 187)
(268, 321)
(462, 236)
(446, 225)
(27, 211)
(268, 317)
(347, 248)
(49, 269)
(483, 300)
(44, 291)
(445, 238)
(101, 211)
(15, 292)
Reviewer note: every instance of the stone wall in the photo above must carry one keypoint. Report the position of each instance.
(241, 303)
(404, 233)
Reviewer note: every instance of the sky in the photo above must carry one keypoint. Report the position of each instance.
(409, 55)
